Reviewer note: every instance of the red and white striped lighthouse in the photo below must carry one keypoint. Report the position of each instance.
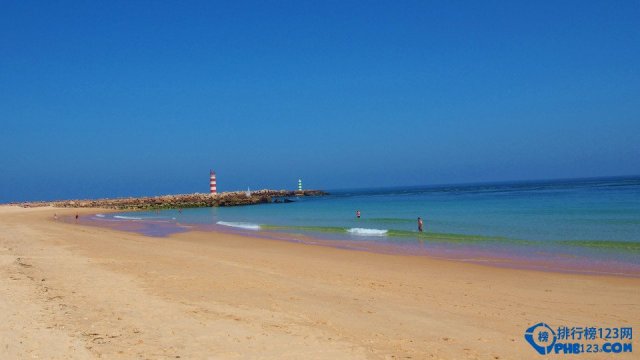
(212, 182)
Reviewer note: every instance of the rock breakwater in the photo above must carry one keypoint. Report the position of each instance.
(237, 198)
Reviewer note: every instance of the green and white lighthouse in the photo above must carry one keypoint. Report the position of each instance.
(299, 184)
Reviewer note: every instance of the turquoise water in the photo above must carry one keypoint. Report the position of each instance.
(590, 225)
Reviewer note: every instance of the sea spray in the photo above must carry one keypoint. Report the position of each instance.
(126, 217)
(367, 232)
(239, 225)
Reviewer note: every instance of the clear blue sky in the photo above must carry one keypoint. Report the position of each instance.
(110, 98)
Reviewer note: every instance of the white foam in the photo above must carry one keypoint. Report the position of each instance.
(127, 217)
(367, 232)
(100, 215)
(241, 225)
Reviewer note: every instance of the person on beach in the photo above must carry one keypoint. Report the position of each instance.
(358, 214)
(55, 216)
(76, 217)
(420, 224)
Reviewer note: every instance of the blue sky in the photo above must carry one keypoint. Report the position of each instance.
(104, 99)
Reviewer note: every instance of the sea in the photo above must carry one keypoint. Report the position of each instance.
(589, 226)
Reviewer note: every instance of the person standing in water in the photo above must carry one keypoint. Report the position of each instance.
(358, 214)
(420, 224)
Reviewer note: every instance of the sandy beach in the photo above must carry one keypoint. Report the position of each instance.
(73, 291)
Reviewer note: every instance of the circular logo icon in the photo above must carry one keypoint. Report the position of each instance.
(541, 337)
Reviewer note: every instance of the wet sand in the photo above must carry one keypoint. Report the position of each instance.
(74, 291)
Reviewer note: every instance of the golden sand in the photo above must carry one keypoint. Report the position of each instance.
(73, 291)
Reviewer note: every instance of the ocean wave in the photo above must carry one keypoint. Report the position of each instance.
(367, 232)
(240, 225)
(126, 217)
(100, 215)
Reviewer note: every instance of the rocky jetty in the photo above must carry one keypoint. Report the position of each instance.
(237, 198)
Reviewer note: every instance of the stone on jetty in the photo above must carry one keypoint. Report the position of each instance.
(236, 198)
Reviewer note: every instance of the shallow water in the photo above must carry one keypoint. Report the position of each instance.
(590, 225)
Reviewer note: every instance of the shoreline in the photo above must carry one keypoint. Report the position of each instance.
(500, 258)
(85, 292)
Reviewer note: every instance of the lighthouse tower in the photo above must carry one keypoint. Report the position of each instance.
(299, 184)
(212, 182)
